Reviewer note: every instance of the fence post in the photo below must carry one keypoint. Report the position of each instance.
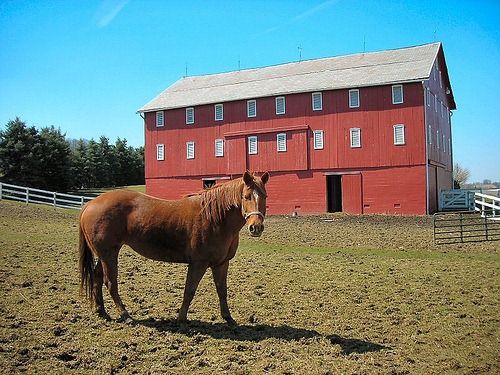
(461, 229)
(486, 227)
(55, 199)
(1, 192)
(27, 195)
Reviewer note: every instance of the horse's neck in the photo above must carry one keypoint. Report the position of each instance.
(232, 220)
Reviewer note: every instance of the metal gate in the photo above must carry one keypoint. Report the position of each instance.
(461, 227)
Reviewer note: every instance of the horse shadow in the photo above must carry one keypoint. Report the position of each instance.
(259, 332)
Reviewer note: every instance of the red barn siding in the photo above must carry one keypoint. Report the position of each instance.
(378, 177)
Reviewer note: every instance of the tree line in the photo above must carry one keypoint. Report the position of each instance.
(45, 159)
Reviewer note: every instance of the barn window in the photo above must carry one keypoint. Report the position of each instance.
(355, 137)
(399, 134)
(354, 98)
(190, 150)
(189, 115)
(437, 139)
(428, 91)
(252, 145)
(219, 112)
(280, 105)
(317, 101)
(219, 147)
(318, 139)
(444, 144)
(436, 101)
(429, 134)
(449, 146)
(281, 140)
(159, 118)
(160, 152)
(252, 108)
(397, 94)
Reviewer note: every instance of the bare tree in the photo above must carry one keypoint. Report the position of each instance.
(460, 174)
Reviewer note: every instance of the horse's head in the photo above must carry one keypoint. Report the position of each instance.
(253, 203)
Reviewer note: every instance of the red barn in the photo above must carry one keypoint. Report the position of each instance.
(362, 133)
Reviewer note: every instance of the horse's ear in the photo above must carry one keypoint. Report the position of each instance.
(248, 178)
(265, 177)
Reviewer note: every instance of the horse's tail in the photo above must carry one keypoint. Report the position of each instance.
(86, 267)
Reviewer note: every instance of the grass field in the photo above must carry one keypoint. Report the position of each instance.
(341, 294)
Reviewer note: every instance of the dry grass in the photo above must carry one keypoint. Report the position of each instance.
(348, 295)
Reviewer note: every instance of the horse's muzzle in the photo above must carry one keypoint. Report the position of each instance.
(256, 230)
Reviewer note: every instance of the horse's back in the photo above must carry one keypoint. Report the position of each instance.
(107, 215)
(155, 228)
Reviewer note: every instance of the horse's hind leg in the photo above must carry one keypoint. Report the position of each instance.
(97, 291)
(110, 271)
(194, 276)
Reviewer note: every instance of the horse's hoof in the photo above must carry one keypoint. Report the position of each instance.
(231, 322)
(126, 318)
(104, 315)
(182, 327)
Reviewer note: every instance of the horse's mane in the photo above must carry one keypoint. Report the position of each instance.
(218, 199)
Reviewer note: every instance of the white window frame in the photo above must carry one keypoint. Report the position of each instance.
(429, 134)
(160, 152)
(428, 90)
(160, 119)
(399, 135)
(219, 148)
(190, 150)
(318, 139)
(437, 139)
(189, 115)
(251, 108)
(219, 112)
(280, 101)
(281, 142)
(444, 144)
(252, 145)
(394, 88)
(436, 105)
(317, 101)
(354, 101)
(355, 137)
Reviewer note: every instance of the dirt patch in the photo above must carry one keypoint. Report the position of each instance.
(321, 294)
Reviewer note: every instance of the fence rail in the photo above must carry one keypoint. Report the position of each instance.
(488, 205)
(461, 227)
(30, 195)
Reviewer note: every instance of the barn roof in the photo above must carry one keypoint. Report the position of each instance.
(357, 70)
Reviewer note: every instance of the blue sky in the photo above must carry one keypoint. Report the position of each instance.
(87, 66)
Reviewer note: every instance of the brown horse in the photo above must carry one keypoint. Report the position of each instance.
(201, 230)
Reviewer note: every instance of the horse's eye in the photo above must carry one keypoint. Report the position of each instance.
(248, 197)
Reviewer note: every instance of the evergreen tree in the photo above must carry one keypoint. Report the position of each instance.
(79, 170)
(20, 150)
(55, 162)
(46, 160)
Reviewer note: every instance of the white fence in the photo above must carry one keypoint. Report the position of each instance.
(488, 205)
(29, 195)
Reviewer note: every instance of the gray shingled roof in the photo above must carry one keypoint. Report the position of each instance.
(349, 71)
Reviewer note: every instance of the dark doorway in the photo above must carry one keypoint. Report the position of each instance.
(334, 193)
(207, 184)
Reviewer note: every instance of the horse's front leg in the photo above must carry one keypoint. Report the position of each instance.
(194, 276)
(220, 278)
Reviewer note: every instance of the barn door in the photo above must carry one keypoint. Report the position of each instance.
(334, 193)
